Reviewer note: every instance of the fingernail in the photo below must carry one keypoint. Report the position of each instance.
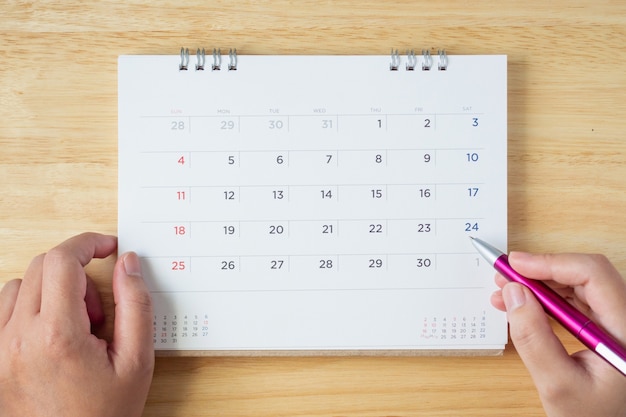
(132, 265)
(514, 296)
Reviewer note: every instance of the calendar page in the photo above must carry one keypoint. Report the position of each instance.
(325, 204)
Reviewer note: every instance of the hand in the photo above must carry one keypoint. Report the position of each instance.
(50, 362)
(581, 384)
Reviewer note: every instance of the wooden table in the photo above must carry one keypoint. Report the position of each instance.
(567, 118)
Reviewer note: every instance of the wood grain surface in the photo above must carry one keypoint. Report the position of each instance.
(567, 118)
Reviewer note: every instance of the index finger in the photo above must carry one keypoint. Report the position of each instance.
(64, 282)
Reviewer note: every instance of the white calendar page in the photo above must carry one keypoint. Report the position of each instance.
(315, 203)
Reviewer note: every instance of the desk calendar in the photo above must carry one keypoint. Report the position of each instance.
(315, 204)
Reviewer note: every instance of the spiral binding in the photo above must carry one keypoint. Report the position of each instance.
(184, 59)
(443, 60)
(428, 61)
(201, 59)
(395, 60)
(217, 59)
(412, 60)
(394, 65)
(232, 56)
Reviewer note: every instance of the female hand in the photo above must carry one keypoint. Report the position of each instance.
(50, 362)
(581, 384)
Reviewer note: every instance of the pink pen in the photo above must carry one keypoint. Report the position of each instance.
(581, 326)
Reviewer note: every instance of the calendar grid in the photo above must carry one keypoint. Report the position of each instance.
(315, 202)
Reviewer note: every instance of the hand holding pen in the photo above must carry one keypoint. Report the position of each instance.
(581, 384)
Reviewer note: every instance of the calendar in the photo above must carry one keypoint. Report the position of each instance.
(315, 204)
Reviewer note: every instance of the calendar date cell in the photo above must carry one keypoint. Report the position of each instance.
(322, 127)
(323, 163)
(174, 126)
(165, 273)
(263, 126)
(217, 266)
(315, 264)
(159, 203)
(267, 196)
(417, 269)
(412, 128)
(215, 128)
(364, 129)
(165, 168)
(267, 266)
(371, 264)
(323, 200)
(211, 166)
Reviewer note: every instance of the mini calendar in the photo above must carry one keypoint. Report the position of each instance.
(315, 204)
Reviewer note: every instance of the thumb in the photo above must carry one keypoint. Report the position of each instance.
(531, 333)
(132, 344)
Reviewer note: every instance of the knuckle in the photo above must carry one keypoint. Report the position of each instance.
(16, 353)
(600, 260)
(141, 302)
(56, 342)
(13, 358)
(556, 391)
(15, 349)
(141, 365)
(12, 285)
(524, 336)
(55, 256)
(37, 261)
(600, 266)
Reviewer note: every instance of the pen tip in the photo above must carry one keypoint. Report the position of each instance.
(488, 252)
